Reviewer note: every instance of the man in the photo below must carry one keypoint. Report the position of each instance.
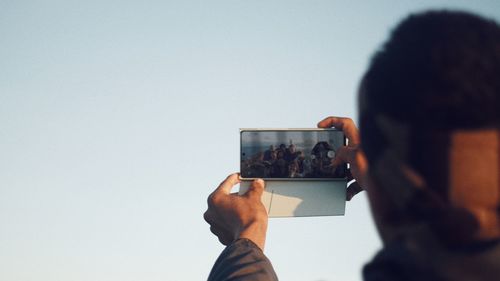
(428, 157)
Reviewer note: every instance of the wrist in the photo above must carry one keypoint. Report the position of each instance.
(255, 232)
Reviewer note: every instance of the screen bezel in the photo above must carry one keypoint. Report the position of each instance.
(242, 130)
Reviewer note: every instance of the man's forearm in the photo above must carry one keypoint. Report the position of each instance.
(242, 260)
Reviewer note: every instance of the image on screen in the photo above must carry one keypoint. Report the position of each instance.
(291, 154)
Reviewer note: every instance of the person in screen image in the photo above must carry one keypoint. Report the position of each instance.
(268, 153)
(322, 162)
(275, 163)
(269, 163)
(427, 154)
(282, 148)
(294, 170)
(300, 162)
(306, 166)
(255, 166)
(280, 166)
(290, 153)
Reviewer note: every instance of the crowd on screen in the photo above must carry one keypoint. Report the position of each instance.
(288, 162)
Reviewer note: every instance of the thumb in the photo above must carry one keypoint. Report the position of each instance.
(226, 186)
(342, 155)
(256, 188)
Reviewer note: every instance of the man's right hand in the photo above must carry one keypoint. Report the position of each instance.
(351, 153)
(232, 216)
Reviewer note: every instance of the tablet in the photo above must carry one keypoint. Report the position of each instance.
(298, 167)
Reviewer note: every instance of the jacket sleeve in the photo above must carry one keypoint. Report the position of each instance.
(242, 261)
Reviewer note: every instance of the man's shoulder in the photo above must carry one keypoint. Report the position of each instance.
(399, 261)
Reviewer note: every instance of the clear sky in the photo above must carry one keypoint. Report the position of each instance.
(118, 118)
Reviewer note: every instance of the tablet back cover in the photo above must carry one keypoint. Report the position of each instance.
(302, 198)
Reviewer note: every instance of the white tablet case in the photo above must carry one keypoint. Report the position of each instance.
(302, 198)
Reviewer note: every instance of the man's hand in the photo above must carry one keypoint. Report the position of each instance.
(232, 216)
(351, 153)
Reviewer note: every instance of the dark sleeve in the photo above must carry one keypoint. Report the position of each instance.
(242, 261)
(396, 262)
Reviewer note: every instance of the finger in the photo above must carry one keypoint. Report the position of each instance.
(226, 186)
(352, 190)
(349, 175)
(343, 155)
(225, 240)
(342, 123)
(221, 234)
(214, 231)
(207, 217)
(256, 189)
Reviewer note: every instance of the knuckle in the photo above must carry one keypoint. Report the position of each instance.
(214, 231)
(206, 217)
(214, 199)
(326, 122)
(258, 185)
(210, 199)
(348, 122)
(223, 240)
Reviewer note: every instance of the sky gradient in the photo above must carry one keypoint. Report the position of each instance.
(118, 118)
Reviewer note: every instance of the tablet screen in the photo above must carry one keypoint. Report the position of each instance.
(291, 153)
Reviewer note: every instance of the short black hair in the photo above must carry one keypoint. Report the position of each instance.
(439, 71)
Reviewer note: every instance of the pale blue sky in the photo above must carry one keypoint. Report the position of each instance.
(118, 118)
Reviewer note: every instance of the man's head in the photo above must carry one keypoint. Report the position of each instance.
(430, 92)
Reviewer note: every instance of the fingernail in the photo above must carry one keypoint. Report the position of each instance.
(260, 181)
